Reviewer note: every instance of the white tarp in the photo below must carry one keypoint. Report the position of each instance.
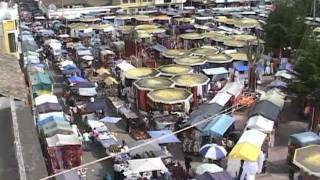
(146, 165)
(100, 126)
(124, 66)
(109, 119)
(284, 74)
(221, 98)
(233, 88)
(62, 140)
(215, 71)
(87, 91)
(46, 98)
(260, 123)
(46, 115)
(253, 137)
(85, 52)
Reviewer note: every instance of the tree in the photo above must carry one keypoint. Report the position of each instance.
(285, 25)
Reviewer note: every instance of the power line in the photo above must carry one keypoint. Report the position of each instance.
(226, 111)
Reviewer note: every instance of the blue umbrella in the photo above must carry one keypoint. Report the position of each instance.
(213, 151)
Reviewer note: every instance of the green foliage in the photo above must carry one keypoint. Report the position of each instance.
(308, 67)
(285, 25)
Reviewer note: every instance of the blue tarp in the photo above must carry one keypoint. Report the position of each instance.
(50, 119)
(76, 79)
(241, 68)
(69, 66)
(167, 135)
(71, 71)
(218, 125)
(305, 138)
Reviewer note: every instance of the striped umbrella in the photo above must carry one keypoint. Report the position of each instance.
(213, 151)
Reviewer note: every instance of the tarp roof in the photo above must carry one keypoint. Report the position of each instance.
(266, 109)
(305, 138)
(62, 140)
(50, 119)
(205, 111)
(165, 135)
(221, 98)
(146, 165)
(46, 115)
(154, 146)
(40, 78)
(49, 107)
(56, 127)
(233, 88)
(260, 123)
(253, 137)
(218, 125)
(124, 66)
(215, 71)
(46, 98)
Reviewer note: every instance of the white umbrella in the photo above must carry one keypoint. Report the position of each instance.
(211, 168)
(213, 151)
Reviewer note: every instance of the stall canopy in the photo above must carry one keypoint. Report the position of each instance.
(221, 98)
(87, 91)
(164, 136)
(233, 88)
(206, 167)
(46, 115)
(190, 80)
(170, 95)
(62, 140)
(152, 146)
(49, 107)
(56, 127)
(174, 53)
(218, 125)
(141, 72)
(214, 176)
(46, 98)
(41, 81)
(215, 71)
(275, 97)
(260, 123)
(50, 119)
(253, 137)
(174, 69)
(146, 165)
(191, 61)
(266, 109)
(307, 159)
(125, 66)
(277, 84)
(205, 111)
(219, 59)
(76, 79)
(245, 151)
(95, 106)
(284, 74)
(305, 138)
(153, 83)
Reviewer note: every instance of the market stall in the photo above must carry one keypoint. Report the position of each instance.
(143, 86)
(170, 99)
(174, 69)
(196, 83)
(219, 60)
(170, 54)
(195, 61)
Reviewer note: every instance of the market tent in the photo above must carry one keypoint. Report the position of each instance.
(62, 140)
(221, 98)
(215, 71)
(191, 60)
(266, 109)
(224, 175)
(219, 59)
(50, 119)
(46, 115)
(71, 71)
(307, 159)
(125, 66)
(245, 151)
(40, 81)
(206, 167)
(170, 95)
(284, 74)
(76, 79)
(87, 91)
(109, 119)
(164, 136)
(146, 165)
(253, 137)
(174, 69)
(218, 125)
(174, 53)
(46, 98)
(152, 146)
(141, 72)
(49, 107)
(233, 88)
(204, 51)
(203, 112)
(260, 123)
(305, 138)
(56, 127)
(95, 106)
(190, 80)
(100, 126)
(277, 84)
(274, 97)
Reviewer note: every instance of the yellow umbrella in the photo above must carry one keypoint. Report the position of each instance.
(102, 71)
(191, 61)
(191, 36)
(245, 151)
(239, 56)
(109, 81)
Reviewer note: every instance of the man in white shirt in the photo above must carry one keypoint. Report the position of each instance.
(86, 140)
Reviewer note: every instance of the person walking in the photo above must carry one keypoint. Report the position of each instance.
(86, 140)
(187, 163)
